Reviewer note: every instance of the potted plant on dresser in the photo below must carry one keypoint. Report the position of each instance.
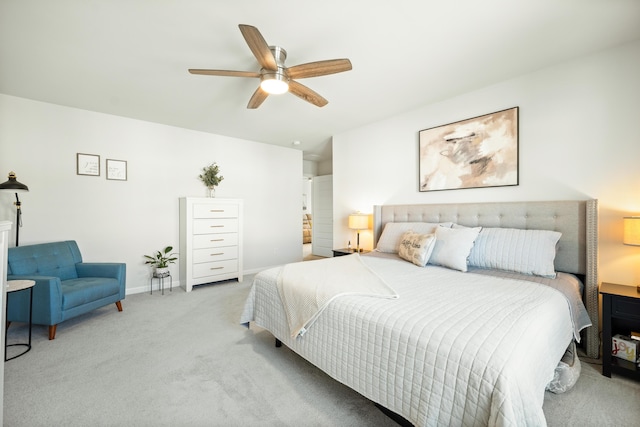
(211, 178)
(160, 261)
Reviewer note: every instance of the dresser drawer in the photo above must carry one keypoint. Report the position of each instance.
(627, 308)
(206, 210)
(201, 241)
(221, 225)
(215, 254)
(214, 268)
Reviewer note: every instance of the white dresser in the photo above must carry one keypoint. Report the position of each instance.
(210, 240)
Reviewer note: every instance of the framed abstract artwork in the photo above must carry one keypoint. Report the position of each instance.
(472, 153)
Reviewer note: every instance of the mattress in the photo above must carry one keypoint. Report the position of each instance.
(454, 348)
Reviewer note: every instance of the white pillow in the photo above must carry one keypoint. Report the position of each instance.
(453, 246)
(522, 251)
(416, 248)
(389, 241)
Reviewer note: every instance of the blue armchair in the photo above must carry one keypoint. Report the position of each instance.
(65, 286)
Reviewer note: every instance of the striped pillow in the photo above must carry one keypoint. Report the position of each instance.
(523, 251)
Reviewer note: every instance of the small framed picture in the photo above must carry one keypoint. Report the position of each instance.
(87, 164)
(117, 169)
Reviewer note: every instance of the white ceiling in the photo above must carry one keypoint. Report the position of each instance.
(130, 57)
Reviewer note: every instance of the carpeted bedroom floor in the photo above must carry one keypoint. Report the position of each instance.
(307, 254)
(182, 359)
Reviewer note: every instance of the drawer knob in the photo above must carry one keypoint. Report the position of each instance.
(217, 240)
(216, 268)
(217, 226)
(219, 253)
(216, 210)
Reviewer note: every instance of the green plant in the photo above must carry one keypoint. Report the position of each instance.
(210, 176)
(161, 259)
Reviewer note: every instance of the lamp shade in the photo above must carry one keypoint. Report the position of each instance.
(358, 221)
(13, 185)
(631, 230)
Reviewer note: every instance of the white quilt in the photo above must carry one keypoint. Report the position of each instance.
(456, 349)
(306, 288)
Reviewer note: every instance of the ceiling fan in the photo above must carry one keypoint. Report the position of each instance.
(275, 77)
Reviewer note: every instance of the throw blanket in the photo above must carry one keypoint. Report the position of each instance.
(306, 288)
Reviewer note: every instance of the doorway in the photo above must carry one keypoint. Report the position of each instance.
(322, 229)
(307, 218)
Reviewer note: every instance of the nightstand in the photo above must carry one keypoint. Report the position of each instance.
(620, 315)
(347, 251)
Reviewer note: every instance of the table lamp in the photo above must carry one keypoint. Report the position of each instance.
(16, 187)
(631, 234)
(358, 222)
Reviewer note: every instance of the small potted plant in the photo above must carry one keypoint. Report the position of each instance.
(160, 261)
(210, 178)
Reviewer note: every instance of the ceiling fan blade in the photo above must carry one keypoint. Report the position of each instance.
(319, 68)
(258, 46)
(301, 91)
(224, 73)
(257, 98)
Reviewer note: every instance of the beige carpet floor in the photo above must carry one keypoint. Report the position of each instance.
(182, 359)
(307, 255)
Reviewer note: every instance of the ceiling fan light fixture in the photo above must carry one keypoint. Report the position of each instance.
(274, 83)
(275, 77)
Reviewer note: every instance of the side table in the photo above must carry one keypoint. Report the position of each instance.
(347, 251)
(620, 315)
(17, 286)
(161, 278)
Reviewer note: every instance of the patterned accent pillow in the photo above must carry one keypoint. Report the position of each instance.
(389, 241)
(416, 248)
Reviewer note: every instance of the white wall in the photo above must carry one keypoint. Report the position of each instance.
(325, 167)
(309, 168)
(123, 220)
(578, 139)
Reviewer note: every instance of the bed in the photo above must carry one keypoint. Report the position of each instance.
(452, 347)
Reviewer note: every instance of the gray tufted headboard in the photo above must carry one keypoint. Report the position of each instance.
(577, 220)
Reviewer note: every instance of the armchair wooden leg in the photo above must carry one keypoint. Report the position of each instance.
(119, 305)
(52, 331)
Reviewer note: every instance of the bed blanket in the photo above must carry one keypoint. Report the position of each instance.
(454, 349)
(567, 284)
(306, 288)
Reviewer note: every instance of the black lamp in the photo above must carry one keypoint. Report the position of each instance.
(17, 187)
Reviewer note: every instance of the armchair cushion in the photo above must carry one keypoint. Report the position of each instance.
(77, 292)
(65, 286)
